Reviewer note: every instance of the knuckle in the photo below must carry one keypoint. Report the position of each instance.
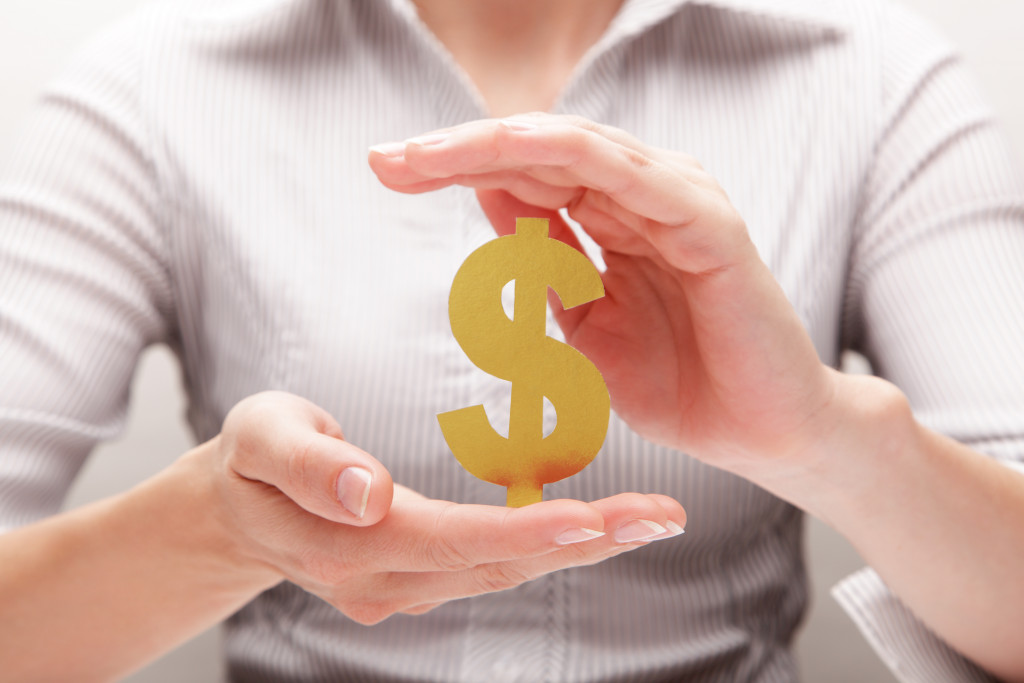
(300, 457)
(441, 550)
(422, 609)
(580, 122)
(581, 554)
(579, 144)
(368, 612)
(321, 568)
(639, 160)
(639, 169)
(500, 576)
(446, 555)
(242, 448)
(246, 425)
(586, 200)
(642, 167)
(686, 161)
(255, 407)
(365, 599)
(653, 229)
(590, 126)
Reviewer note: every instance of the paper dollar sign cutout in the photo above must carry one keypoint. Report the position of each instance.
(519, 351)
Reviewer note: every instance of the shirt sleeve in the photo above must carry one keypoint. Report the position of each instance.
(935, 293)
(83, 280)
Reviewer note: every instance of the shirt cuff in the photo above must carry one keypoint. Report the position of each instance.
(910, 649)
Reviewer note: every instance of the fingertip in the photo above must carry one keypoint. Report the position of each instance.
(516, 125)
(634, 516)
(387, 150)
(674, 510)
(353, 486)
(382, 494)
(674, 529)
(366, 492)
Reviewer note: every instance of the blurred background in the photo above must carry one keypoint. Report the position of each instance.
(38, 36)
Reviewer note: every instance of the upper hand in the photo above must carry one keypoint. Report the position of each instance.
(698, 344)
(372, 549)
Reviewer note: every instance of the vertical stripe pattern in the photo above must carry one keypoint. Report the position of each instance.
(198, 177)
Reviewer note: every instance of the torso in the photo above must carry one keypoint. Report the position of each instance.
(305, 275)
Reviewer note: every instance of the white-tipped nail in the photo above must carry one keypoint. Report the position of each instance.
(389, 149)
(577, 536)
(672, 530)
(426, 140)
(638, 530)
(354, 489)
(516, 125)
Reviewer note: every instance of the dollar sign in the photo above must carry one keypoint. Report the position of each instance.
(519, 351)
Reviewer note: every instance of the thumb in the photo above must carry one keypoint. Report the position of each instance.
(293, 445)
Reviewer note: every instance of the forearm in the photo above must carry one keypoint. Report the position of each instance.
(938, 521)
(97, 592)
(113, 585)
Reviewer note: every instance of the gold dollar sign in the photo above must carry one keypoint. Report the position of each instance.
(519, 351)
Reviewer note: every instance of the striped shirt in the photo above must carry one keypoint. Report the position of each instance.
(198, 177)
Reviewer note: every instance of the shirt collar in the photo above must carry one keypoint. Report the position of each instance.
(822, 17)
(637, 15)
(827, 15)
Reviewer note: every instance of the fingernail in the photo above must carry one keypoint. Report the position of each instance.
(638, 530)
(577, 536)
(513, 124)
(354, 489)
(672, 530)
(425, 140)
(389, 149)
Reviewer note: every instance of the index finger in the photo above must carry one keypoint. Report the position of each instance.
(558, 151)
(429, 535)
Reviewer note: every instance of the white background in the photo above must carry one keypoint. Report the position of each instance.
(36, 38)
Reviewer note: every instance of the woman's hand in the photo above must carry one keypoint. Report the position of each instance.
(702, 351)
(314, 509)
(699, 346)
(278, 494)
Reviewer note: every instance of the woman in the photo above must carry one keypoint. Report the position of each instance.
(200, 177)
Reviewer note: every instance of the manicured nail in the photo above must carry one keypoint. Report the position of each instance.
(425, 140)
(638, 530)
(354, 489)
(672, 530)
(519, 126)
(577, 536)
(389, 149)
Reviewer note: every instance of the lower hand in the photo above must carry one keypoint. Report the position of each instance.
(303, 504)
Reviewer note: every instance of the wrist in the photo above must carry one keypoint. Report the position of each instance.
(155, 558)
(842, 458)
(203, 532)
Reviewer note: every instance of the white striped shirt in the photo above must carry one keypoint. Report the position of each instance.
(199, 177)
